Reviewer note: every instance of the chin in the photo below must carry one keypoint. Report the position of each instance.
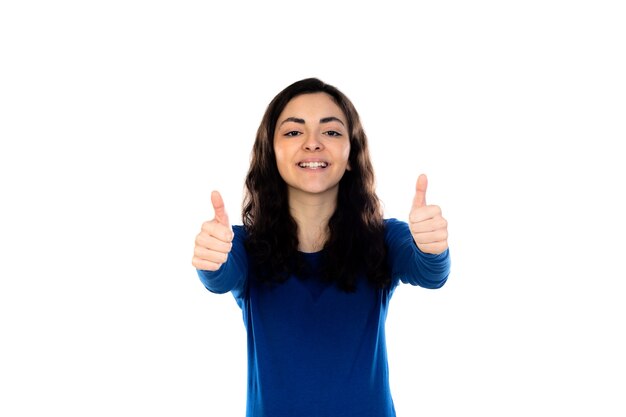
(316, 190)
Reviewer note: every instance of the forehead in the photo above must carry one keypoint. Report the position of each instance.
(312, 104)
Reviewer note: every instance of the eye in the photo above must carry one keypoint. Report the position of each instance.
(292, 133)
(332, 133)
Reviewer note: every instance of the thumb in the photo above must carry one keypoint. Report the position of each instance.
(420, 191)
(218, 207)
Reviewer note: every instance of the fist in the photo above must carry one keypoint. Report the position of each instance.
(214, 242)
(428, 227)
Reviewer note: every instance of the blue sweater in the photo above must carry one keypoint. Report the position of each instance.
(314, 350)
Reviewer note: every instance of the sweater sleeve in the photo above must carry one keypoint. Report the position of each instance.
(233, 273)
(410, 265)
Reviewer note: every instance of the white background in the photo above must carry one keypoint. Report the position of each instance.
(118, 118)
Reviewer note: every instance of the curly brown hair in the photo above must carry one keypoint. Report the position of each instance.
(356, 239)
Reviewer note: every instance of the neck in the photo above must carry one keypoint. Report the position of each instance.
(311, 213)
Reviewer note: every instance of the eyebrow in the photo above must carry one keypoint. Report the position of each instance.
(322, 120)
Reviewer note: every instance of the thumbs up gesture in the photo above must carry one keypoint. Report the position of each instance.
(428, 227)
(214, 242)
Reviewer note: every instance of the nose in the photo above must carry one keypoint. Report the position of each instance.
(312, 143)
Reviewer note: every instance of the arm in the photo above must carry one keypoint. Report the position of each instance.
(231, 275)
(418, 251)
(408, 263)
(219, 254)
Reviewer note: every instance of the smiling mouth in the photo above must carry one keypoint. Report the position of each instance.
(313, 165)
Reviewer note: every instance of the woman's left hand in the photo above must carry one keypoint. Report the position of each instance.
(428, 227)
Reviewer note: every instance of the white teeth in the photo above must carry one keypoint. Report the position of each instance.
(313, 164)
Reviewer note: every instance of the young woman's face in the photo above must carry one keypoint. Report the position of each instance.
(312, 145)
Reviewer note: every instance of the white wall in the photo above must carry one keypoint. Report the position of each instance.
(117, 119)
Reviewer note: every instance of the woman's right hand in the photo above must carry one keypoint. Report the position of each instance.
(214, 242)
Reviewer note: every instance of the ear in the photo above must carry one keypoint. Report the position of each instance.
(348, 167)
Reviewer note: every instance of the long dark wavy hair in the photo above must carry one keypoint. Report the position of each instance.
(356, 238)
